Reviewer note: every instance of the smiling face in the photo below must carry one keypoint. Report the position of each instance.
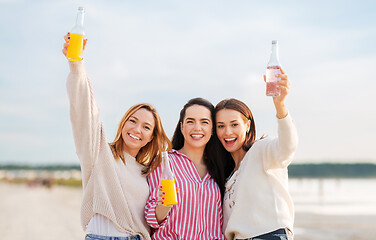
(138, 131)
(231, 129)
(197, 126)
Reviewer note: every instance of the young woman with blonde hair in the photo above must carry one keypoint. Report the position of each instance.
(113, 174)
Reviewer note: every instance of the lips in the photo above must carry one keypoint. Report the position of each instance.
(197, 136)
(134, 137)
(230, 141)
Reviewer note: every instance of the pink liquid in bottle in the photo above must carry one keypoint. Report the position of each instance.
(272, 88)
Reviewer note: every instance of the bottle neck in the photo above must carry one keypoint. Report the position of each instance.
(80, 18)
(274, 56)
(78, 27)
(166, 170)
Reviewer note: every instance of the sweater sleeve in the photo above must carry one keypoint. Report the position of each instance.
(152, 202)
(84, 115)
(280, 151)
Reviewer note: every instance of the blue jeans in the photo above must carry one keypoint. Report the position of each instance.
(97, 237)
(280, 234)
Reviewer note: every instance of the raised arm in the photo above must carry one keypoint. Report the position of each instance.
(279, 151)
(84, 113)
(279, 102)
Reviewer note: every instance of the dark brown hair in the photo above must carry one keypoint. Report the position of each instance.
(214, 152)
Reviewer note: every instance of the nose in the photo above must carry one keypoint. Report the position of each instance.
(227, 131)
(197, 126)
(137, 128)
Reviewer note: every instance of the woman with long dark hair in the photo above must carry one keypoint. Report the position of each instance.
(195, 161)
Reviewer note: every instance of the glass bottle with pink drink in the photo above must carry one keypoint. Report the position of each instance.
(272, 70)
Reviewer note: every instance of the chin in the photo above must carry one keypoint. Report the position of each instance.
(231, 149)
(132, 145)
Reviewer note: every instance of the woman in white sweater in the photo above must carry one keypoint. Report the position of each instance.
(113, 174)
(257, 204)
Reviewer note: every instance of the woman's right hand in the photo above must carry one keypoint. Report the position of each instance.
(66, 44)
(161, 211)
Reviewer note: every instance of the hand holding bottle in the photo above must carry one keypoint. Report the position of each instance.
(162, 210)
(167, 191)
(66, 44)
(284, 88)
(162, 197)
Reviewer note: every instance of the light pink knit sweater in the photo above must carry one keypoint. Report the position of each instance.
(112, 189)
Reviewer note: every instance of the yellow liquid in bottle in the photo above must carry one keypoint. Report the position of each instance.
(169, 188)
(75, 48)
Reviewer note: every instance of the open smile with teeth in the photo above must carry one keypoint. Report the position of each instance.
(197, 136)
(230, 140)
(134, 137)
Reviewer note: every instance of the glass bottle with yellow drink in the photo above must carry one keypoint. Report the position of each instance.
(76, 41)
(168, 182)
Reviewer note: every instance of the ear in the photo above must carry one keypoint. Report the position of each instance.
(248, 125)
(181, 127)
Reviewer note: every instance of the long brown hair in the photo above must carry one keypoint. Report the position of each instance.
(152, 150)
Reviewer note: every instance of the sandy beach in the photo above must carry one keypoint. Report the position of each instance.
(54, 213)
(39, 212)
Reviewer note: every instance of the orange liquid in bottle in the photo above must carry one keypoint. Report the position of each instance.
(169, 188)
(75, 48)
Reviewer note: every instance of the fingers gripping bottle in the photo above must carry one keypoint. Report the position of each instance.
(168, 181)
(76, 42)
(273, 68)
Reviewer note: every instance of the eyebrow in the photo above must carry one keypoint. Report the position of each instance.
(230, 121)
(147, 123)
(202, 119)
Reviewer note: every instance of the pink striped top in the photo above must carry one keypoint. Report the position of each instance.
(198, 215)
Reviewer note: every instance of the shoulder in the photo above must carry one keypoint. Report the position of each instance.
(260, 143)
(175, 154)
(257, 149)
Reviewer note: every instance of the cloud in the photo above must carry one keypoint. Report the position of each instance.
(167, 52)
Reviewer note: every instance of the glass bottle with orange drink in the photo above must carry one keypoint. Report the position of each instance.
(76, 41)
(168, 182)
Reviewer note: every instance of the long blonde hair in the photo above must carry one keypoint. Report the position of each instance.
(152, 150)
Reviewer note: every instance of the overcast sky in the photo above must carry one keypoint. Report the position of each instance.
(166, 52)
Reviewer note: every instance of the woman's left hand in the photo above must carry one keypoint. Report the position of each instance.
(279, 102)
(284, 86)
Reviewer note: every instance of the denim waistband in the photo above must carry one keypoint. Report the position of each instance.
(277, 234)
(98, 237)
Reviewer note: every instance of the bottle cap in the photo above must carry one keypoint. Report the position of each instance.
(274, 42)
(81, 8)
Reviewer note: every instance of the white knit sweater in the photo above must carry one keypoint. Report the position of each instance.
(116, 191)
(257, 200)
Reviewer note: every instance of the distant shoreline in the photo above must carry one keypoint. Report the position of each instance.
(333, 170)
(308, 170)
